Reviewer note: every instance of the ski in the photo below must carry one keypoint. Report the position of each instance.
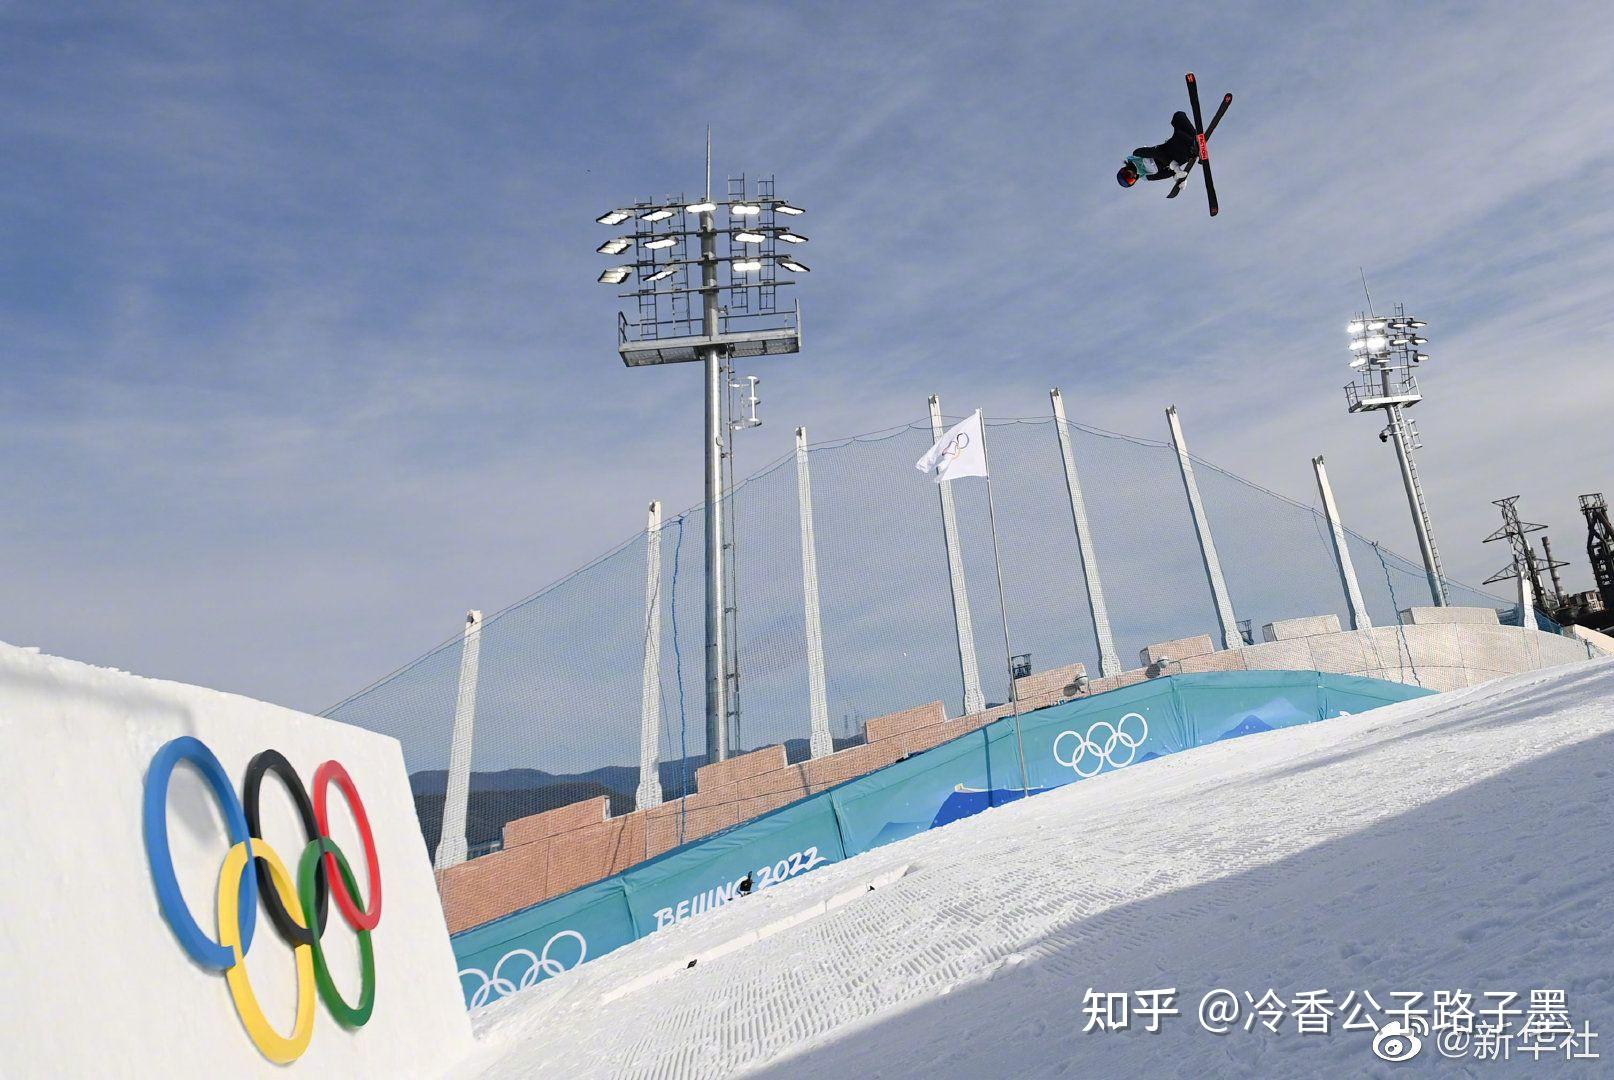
(1227, 99)
(1204, 149)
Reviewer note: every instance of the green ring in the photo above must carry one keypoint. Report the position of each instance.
(352, 1016)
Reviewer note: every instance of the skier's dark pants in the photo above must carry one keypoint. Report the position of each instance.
(1181, 148)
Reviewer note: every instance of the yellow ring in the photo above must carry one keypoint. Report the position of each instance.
(276, 1047)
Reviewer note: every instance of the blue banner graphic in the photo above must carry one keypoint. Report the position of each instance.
(1062, 744)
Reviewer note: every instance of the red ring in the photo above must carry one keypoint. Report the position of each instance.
(345, 901)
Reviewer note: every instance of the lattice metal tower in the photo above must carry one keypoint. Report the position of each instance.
(1600, 545)
(1525, 560)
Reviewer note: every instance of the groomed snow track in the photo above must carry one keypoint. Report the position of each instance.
(1460, 841)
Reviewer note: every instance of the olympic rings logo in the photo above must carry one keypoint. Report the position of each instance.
(1106, 751)
(496, 985)
(297, 904)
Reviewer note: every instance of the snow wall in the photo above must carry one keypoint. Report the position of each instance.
(1062, 745)
(95, 979)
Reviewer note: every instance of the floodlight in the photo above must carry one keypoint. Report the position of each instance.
(1416, 324)
(786, 208)
(615, 275)
(615, 247)
(1358, 361)
(665, 272)
(749, 237)
(657, 214)
(792, 238)
(1358, 345)
(1377, 343)
(745, 210)
(1377, 324)
(701, 208)
(1354, 327)
(1419, 357)
(1400, 341)
(613, 217)
(792, 265)
(1418, 340)
(744, 266)
(661, 242)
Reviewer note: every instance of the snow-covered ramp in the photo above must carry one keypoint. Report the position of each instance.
(1461, 842)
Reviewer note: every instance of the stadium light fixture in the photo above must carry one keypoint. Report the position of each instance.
(1384, 352)
(739, 313)
(793, 266)
(792, 238)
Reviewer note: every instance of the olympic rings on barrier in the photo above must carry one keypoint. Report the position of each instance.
(327, 774)
(154, 822)
(543, 964)
(297, 906)
(278, 1048)
(273, 761)
(1105, 752)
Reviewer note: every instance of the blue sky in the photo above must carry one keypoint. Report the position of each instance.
(305, 356)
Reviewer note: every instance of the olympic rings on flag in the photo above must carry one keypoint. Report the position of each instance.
(297, 905)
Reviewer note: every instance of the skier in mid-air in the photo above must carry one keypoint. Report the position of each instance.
(1175, 158)
(1168, 161)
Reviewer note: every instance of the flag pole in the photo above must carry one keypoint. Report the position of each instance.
(1003, 612)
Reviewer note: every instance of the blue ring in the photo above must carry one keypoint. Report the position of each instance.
(154, 819)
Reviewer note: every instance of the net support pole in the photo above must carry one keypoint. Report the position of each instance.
(821, 743)
(1108, 662)
(1342, 551)
(1003, 612)
(452, 848)
(1527, 595)
(649, 791)
(969, 667)
(1231, 638)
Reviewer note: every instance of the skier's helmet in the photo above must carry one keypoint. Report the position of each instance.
(1126, 175)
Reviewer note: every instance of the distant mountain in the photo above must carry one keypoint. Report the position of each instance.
(504, 795)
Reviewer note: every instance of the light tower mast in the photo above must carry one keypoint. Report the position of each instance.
(725, 252)
(1385, 350)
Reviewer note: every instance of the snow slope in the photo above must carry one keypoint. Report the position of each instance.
(1460, 841)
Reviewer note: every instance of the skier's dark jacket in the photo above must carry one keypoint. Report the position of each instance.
(1181, 148)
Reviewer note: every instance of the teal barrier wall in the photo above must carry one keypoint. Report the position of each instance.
(1063, 744)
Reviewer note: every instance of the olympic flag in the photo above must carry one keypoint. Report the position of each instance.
(960, 452)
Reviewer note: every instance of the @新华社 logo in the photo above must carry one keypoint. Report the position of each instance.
(296, 898)
(1103, 744)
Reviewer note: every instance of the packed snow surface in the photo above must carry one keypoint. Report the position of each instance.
(1458, 842)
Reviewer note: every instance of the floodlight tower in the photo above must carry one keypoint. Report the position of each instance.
(1384, 351)
(740, 315)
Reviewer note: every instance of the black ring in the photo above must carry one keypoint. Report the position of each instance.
(273, 761)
